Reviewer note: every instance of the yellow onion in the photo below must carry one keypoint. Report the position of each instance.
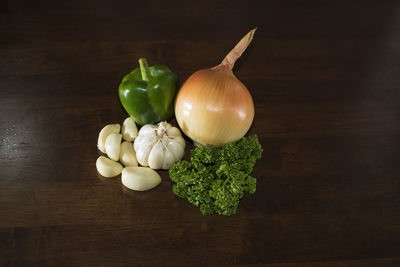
(213, 107)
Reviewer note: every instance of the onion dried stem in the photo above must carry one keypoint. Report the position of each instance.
(238, 50)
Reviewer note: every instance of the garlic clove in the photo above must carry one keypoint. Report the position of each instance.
(169, 159)
(113, 146)
(176, 148)
(140, 178)
(156, 156)
(173, 132)
(108, 168)
(129, 130)
(127, 155)
(179, 153)
(104, 133)
(144, 140)
(138, 141)
(142, 154)
(142, 157)
(180, 140)
(148, 129)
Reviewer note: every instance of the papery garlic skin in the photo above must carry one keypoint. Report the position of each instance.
(159, 146)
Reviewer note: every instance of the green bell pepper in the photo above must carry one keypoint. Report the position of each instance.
(148, 93)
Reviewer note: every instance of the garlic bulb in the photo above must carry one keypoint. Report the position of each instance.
(159, 146)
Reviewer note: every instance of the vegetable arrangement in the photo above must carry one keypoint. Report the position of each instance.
(212, 107)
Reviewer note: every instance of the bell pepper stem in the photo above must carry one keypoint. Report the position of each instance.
(144, 69)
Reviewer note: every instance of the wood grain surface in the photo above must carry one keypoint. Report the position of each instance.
(325, 78)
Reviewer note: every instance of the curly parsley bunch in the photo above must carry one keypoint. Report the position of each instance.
(216, 179)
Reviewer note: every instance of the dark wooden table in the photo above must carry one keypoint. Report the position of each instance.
(325, 78)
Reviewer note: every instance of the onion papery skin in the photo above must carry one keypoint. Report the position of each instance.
(213, 107)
